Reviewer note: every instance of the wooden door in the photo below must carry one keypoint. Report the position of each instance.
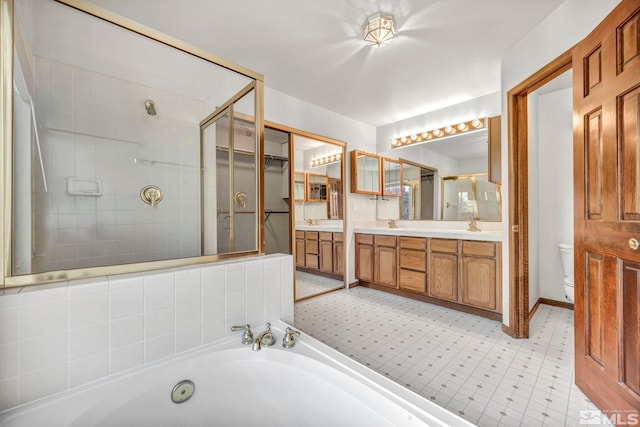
(443, 276)
(607, 212)
(385, 266)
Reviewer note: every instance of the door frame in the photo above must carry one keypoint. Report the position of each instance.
(518, 167)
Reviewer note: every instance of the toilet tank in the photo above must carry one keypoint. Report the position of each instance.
(566, 257)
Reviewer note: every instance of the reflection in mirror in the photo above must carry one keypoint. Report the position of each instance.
(391, 177)
(418, 184)
(317, 188)
(299, 187)
(320, 257)
(365, 173)
(93, 127)
(462, 154)
(470, 197)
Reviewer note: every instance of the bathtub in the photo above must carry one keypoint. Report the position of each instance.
(307, 385)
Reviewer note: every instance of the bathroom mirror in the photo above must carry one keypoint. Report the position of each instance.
(391, 177)
(422, 192)
(319, 221)
(418, 195)
(468, 197)
(317, 188)
(121, 143)
(299, 186)
(365, 173)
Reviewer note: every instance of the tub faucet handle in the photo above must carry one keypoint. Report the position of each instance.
(247, 335)
(289, 339)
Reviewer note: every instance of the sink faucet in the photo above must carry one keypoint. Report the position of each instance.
(309, 221)
(392, 223)
(473, 226)
(265, 338)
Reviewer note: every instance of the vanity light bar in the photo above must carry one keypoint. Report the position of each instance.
(442, 132)
(322, 161)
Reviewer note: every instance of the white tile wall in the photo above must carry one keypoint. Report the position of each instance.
(116, 227)
(59, 336)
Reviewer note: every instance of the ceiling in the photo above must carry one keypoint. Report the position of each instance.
(445, 51)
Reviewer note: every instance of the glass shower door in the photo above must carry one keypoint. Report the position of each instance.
(229, 179)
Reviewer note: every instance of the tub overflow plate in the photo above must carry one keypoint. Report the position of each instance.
(182, 391)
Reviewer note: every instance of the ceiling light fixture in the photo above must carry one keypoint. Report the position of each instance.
(439, 133)
(379, 30)
(323, 161)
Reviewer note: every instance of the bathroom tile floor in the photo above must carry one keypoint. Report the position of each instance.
(310, 284)
(460, 361)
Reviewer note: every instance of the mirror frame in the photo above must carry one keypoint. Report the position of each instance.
(308, 198)
(354, 172)
(6, 178)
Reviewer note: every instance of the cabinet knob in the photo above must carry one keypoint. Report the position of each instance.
(634, 244)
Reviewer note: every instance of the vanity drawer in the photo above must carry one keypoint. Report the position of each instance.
(338, 237)
(326, 235)
(479, 248)
(364, 239)
(413, 281)
(444, 245)
(312, 235)
(419, 243)
(299, 234)
(389, 241)
(312, 247)
(413, 260)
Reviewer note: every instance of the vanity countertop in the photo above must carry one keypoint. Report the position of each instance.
(494, 236)
(332, 228)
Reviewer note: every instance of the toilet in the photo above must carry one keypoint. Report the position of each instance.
(566, 256)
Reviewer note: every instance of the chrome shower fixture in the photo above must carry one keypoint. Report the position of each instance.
(150, 106)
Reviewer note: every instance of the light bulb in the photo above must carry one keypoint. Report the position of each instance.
(462, 127)
(476, 123)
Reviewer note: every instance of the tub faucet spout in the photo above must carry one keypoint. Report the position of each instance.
(265, 338)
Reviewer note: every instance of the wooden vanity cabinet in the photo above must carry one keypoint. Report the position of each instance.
(364, 257)
(443, 269)
(338, 253)
(326, 251)
(385, 271)
(312, 249)
(480, 284)
(412, 275)
(300, 252)
(320, 252)
(460, 274)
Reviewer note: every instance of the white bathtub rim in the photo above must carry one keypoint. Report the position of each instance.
(425, 410)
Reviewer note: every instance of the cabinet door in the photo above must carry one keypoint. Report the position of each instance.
(300, 253)
(326, 255)
(386, 266)
(338, 257)
(364, 262)
(478, 284)
(443, 276)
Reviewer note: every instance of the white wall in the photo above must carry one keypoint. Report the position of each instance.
(555, 188)
(59, 336)
(566, 26)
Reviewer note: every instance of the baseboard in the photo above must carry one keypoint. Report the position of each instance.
(506, 330)
(534, 308)
(354, 284)
(555, 303)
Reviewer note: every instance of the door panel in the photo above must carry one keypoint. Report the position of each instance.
(607, 212)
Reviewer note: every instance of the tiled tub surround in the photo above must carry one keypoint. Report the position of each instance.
(308, 385)
(59, 336)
